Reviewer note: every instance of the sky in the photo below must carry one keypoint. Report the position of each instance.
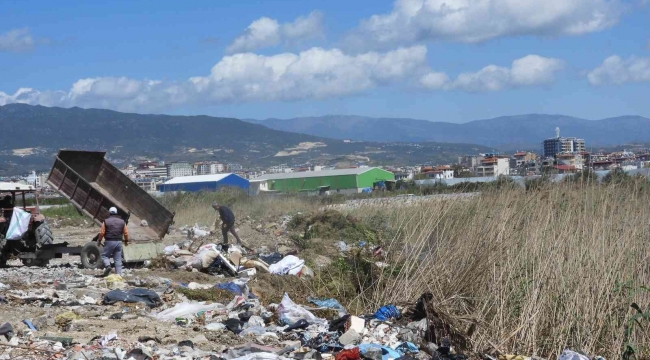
(440, 60)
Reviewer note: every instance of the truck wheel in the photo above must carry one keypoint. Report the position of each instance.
(91, 256)
(44, 235)
(35, 262)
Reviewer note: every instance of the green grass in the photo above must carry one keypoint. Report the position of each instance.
(67, 211)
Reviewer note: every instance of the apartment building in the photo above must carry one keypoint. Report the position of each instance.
(493, 166)
(179, 169)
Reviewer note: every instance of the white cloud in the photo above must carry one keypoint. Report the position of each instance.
(266, 32)
(616, 70)
(315, 73)
(531, 70)
(16, 40)
(415, 21)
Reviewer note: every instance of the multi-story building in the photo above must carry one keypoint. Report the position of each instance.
(470, 161)
(202, 168)
(179, 169)
(562, 145)
(493, 166)
(574, 160)
(217, 168)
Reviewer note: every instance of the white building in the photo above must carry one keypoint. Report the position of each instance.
(493, 166)
(217, 168)
(440, 174)
(280, 169)
(179, 169)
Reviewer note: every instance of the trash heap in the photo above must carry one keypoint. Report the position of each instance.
(148, 317)
(231, 260)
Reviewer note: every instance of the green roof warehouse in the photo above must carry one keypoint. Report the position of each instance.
(345, 181)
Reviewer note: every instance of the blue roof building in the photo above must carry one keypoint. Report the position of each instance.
(204, 183)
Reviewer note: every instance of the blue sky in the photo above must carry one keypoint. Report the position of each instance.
(442, 60)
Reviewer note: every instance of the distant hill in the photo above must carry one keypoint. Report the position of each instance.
(31, 135)
(506, 132)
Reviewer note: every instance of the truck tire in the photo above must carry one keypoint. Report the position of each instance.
(91, 256)
(44, 235)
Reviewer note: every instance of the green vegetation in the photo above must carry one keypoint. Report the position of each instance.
(65, 211)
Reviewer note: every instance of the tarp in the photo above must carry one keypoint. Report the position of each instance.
(145, 296)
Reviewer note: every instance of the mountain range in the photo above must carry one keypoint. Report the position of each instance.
(506, 132)
(31, 135)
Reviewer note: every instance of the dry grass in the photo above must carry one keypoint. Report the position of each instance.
(539, 272)
(197, 208)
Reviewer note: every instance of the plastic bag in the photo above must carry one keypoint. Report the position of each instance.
(289, 313)
(184, 310)
(287, 265)
(407, 348)
(386, 312)
(252, 331)
(19, 224)
(146, 296)
(387, 353)
(207, 247)
(329, 304)
(207, 257)
(169, 250)
(572, 355)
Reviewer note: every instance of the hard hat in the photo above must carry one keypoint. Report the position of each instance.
(112, 210)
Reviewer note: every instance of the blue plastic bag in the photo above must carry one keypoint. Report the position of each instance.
(231, 287)
(386, 312)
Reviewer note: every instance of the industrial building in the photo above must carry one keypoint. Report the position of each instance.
(204, 183)
(344, 181)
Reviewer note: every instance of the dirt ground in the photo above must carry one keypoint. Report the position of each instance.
(95, 320)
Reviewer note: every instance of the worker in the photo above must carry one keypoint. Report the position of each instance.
(227, 222)
(113, 229)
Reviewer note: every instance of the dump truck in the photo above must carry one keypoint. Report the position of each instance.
(93, 185)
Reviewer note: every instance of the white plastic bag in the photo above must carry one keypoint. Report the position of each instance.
(289, 312)
(287, 265)
(572, 355)
(19, 224)
(169, 250)
(184, 310)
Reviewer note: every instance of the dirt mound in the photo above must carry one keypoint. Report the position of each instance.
(332, 224)
(185, 276)
(270, 288)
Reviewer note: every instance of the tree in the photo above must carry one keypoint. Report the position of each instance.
(460, 171)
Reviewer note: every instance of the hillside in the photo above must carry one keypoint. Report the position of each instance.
(31, 135)
(507, 132)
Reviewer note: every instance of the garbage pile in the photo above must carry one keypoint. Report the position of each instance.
(232, 260)
(64, 312)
